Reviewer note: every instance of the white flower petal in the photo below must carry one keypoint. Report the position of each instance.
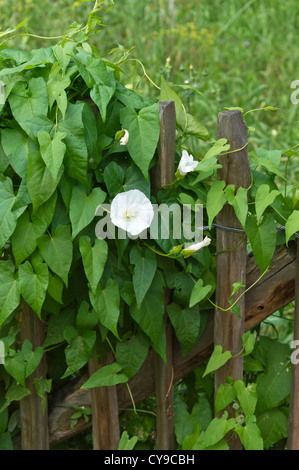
(132, 211)
(198, 246)
(125, 138)
(187, 163)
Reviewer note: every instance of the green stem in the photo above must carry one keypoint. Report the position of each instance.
(243, 293)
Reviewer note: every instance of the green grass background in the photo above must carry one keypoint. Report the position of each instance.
(237, 53)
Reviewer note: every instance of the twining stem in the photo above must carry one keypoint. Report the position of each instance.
(243, 293)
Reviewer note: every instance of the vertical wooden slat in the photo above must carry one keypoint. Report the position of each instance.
(163, 174)
(293, 431)
(231, 265)
(104, 405)
(34, 423)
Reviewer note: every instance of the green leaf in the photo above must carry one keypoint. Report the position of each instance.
(238, 201)
(273, 425)
(199, 292)
(292, 225)
(83, 207)
(216, 431)
(79, 351)
(226, 394)
(196, 129)
(52, 151)
(6, 441)
(106, 376)
(32, 357)
(40, 183)
(248, 341)
(125, 443)
(186, 323)
(56, 326)
(55, 288)
(29, 231)
(75, 159)
(168, 94)
(263, 160)
(247, 396)
(15, 366)
(8, 219)
(144, 131)
(94, 259)
(134, 179)
(24, 362)
(262, 238)
(219, 146)
(250, 436)
(106, 304)
(151, 312)
(144, 272)
(57, 251)
(274, 385)
(26, 103)
(42, 386)
(56, 88)
(101, 95)
(273, 156)
(33, 284)
(264, 198)
(16, 146)
(132, 353)
(215, 200)
(9, 290)
(86, 318)
(217, 359)
(114, 177)
(16, 392)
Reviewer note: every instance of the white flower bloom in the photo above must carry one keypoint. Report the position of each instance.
(198, 246)
(132, 211)
(125, 138)
(187, 163)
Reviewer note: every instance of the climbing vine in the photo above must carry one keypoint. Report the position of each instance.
(77, 150)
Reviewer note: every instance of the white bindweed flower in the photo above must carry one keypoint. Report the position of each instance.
(132, 211)
(199, 245)
(187, 163)
(125, 138)
(190, 250)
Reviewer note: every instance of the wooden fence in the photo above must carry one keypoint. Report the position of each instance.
(42, 430)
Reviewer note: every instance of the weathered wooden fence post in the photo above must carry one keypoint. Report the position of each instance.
(162, 174)
(231, 261)
(34, 421)
(293, 432)
(105, 413)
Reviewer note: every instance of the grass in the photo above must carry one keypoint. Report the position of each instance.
(241, 53)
